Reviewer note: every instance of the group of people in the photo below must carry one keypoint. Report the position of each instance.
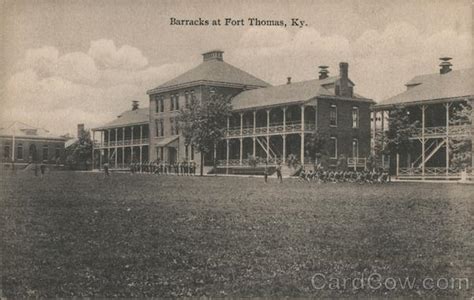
(184, 168)
(365, 176)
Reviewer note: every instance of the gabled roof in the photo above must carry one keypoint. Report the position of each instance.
(127, 118)
(287, 93)
(212, 71)
(23, 130)
(458, 83)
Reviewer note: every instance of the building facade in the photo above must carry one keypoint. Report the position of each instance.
(268, 123)
(432, 101)
(122, 141)
(23, 144)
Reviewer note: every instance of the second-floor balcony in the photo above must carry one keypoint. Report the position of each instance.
(443, 131)
(120, 143)
(272, 129)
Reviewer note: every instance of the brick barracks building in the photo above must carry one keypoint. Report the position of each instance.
(430, 99)
(268, 122)
(24, 144)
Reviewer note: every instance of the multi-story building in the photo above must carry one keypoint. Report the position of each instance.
(268, 122)
(213, 75)
(432, 100)
(123, 140)
(23, 144)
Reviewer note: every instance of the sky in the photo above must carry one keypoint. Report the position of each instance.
(70, 62)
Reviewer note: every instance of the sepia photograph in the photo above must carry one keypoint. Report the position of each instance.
(236, 149)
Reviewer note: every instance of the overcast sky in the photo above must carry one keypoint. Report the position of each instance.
(69, 62)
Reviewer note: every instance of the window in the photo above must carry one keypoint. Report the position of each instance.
(171, 102)
(333, 115)
(159, 104)
(57, 153)
(186, 99)
(355, 148)
(45, 153)
(212, 91)
(187, 152)
(6, 152)
(333, 147)
(176, 104)
(192, 95)
(162, 104)
(176, 126)
(159, 127)
(19, 151)
(355, 117)
(192, 152)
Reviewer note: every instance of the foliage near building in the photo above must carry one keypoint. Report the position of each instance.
(203, 123)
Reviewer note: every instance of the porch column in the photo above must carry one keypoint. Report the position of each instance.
(254, 147)
(116, 147)
(254, 121)
(284, 135)
(108, 137)
(93, 149)
(284, 147)
(374, 116)
(123, 147)
(284, 119)
(131, 145)
(140, 158)
(241, 124)
(447, 138)
(302, 135)
(141, 133)
(241, 150)
(227, 156)
(268, 136)
(423, 107)
(228, 124)
(382, 137)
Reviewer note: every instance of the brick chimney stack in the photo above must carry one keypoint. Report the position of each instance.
(80, 129)
(344, 89)
(288, 80)
(323, 72)
(213, 55)
(445, 65)
(135, 105)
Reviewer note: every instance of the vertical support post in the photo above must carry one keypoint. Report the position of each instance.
(254, 147)
(140, 158)
(254, 122)
(241, 124)
(108, 137)
(268, 134)
(116, 147)
(227, 156)
(447, 138)
(423, 107)
(241, 150)
(284, 119)
(123, 147)
(284, 147)
(302, 135)
(382, 136)
(284, 134)
(141, 134)
(398, 164)
(374, 116)
(93, 149)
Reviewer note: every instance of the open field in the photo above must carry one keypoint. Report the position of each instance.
(80, 234)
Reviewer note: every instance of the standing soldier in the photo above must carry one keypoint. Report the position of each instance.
(106, 169)
(278, 171)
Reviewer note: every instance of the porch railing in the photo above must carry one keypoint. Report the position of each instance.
(454, 130)
(122, 143)
(290, 127)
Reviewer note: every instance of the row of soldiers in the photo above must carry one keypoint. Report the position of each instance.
(162, 167)
(365, 176)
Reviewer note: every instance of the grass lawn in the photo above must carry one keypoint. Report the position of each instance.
(80, 234)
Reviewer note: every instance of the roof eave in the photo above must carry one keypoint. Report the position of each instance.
(120, 125)
(202, 82)
(425, 101)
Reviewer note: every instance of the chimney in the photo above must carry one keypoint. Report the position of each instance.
(135, 105)
(288, 80)
(323, 72)
(213, 55)
(344, 89)
(80, 129)
(344, 70)
(445, 65)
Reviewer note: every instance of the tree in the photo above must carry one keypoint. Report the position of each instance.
(203, 123)
(315, 145)
(79, 154)
(401, 128)
(461, 149)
